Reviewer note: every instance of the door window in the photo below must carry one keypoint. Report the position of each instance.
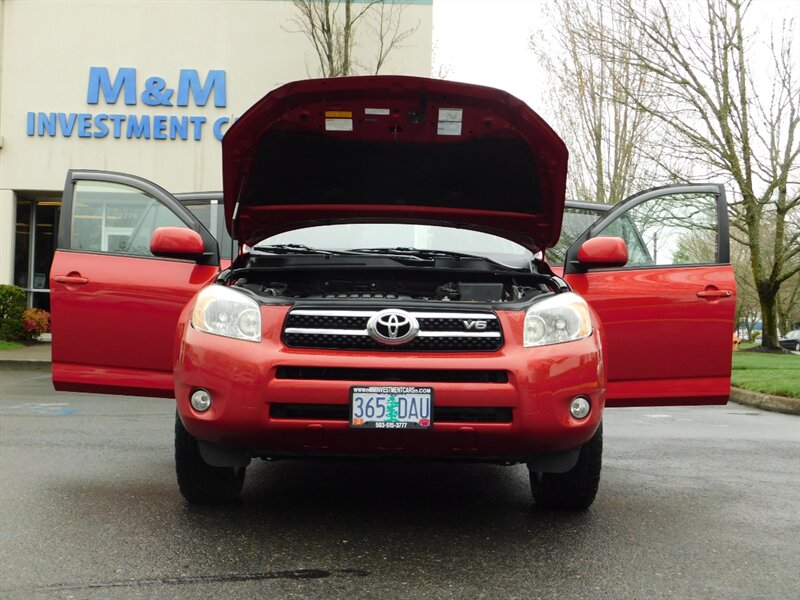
(674, 229)
(116, 219)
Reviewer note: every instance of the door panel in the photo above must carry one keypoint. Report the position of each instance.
(115, 306)
(668, 314)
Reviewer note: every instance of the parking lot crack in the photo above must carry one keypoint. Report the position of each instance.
(296, 574)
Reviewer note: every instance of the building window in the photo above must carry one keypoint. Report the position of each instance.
(22, 242)
(35, 245)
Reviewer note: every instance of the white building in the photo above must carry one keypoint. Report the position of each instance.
(142, 87)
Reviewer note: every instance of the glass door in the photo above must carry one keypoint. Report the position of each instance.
(35, 245)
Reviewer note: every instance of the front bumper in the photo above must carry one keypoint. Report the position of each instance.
(246, 379)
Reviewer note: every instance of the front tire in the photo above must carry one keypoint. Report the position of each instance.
(575, 489)
(199, 482)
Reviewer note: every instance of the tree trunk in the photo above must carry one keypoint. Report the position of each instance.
(769, 315)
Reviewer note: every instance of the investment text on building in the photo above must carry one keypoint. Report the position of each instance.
(191, 91)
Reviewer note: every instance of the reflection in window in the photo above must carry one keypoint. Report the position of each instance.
(114, 218)
(400, 235)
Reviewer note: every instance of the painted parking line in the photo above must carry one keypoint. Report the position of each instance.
(60, 409)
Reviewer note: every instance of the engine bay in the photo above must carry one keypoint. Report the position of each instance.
(381, 282)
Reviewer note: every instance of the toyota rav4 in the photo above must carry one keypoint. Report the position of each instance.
(398, 291)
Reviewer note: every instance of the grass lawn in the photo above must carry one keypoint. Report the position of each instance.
(777, 374)
(9, 345)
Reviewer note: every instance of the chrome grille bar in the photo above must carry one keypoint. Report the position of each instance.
(312, 312)
(310, 331)
(439, 331)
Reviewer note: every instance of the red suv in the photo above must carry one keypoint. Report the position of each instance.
(391, 295)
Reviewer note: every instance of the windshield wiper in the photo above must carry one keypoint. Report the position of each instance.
(291, 249)
(421, 253)
(406, 253)
(401, 254)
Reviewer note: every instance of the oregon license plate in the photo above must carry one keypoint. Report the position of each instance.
(391, 407)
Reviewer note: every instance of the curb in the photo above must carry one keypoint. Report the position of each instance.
(782, 404)
(29, 356)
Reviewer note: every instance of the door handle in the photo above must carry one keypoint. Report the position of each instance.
(714, 294)
(70, 279)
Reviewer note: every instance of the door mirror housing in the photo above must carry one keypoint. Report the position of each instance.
(603, 252)
(176, 242)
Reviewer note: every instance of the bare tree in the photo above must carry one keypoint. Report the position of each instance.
(335, 29)
(748, 310)
(606, 134)
(439, 69)
(722, 116)
(386, 29)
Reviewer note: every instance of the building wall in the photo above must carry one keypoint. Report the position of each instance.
(47, 51)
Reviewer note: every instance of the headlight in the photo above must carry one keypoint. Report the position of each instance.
(561, 318)
(223, 311)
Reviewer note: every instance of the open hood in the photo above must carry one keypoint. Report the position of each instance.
(393, 149)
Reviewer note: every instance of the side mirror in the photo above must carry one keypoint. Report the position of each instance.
(176, 242)
(603, 252)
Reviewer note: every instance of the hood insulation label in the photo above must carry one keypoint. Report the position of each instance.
(338, 120)
(338, 124)
(450, 121)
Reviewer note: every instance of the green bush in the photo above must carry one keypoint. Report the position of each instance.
(12, 305)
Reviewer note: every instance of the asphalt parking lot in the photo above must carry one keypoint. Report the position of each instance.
(694, 503)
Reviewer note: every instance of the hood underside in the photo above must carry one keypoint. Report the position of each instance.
(393, 149)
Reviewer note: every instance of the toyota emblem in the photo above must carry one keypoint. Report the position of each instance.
(392, 327)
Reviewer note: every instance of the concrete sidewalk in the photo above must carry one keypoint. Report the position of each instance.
(40, 352)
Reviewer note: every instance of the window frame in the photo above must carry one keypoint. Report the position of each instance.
(572, 265)
(157, 193)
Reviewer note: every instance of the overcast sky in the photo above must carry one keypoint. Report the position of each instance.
(486, 41)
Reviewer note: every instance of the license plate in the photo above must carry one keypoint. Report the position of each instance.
(391, 407)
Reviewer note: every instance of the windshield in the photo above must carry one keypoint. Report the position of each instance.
(397, 235)
(576, 221)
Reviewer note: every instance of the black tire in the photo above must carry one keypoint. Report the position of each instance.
(575, 489)
(199, 482)
(797, 347)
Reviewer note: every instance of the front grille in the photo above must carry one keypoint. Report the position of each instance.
(441, 414)
(439, 331)
(400, 375)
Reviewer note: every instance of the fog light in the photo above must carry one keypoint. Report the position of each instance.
(201, 400)
(579, 407)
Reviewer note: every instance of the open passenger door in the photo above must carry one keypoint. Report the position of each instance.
(669, 312)
(115, 303)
